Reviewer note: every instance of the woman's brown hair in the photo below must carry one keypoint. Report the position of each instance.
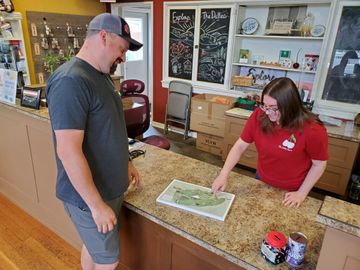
(293, 113)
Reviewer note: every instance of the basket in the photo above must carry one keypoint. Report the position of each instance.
(242, 81)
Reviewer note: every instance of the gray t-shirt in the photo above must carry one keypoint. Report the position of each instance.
(80, 97)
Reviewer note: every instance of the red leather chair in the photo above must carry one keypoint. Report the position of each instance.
(137, 113)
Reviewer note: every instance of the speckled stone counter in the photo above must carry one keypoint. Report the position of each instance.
(340, 215)
(256, 210)
(41, 114)
(346, 131)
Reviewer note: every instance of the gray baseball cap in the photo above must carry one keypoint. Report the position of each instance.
(114, 24)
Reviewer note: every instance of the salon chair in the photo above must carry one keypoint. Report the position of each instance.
(137, 113)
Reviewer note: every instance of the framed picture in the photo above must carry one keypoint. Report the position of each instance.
(284, 58)
(196, 199)
(285, 20)
(30, 98)
(244, 56)
(261, 76)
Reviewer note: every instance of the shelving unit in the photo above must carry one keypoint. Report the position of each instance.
(267, 47)
(16, 62)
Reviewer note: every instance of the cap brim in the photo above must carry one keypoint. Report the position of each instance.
(134, 45)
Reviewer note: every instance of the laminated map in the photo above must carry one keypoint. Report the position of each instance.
(196, 199)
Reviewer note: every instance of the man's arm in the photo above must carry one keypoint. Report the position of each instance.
(69, 149)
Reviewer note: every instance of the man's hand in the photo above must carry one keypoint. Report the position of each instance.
(293, 199)
(134, 177)
(104, 218)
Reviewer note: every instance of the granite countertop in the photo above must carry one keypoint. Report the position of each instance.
(347, 130)
(256, 210)
(340, 215)
(42, 113)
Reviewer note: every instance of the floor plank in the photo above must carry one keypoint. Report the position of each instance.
(27, 244)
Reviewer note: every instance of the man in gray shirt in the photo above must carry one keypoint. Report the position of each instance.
(90, 138)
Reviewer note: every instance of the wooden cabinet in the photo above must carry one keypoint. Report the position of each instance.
(339, 251)
(160, 248)
(28, 170)
(342, 155)
(233, 129)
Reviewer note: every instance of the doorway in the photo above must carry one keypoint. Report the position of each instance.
(138, 64)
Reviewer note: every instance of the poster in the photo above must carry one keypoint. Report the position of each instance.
(196, 199)
(8, 84)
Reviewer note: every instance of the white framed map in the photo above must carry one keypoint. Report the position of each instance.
(196, 199)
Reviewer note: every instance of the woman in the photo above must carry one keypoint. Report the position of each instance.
(290, 140)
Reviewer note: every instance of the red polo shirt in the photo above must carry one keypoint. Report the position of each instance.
(285, 157)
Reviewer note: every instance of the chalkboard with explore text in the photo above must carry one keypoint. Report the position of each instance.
(214, 32)
(181, 43)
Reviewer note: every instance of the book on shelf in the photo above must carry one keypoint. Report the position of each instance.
(244, 56)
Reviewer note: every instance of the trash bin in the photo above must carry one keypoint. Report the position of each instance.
(354, 192)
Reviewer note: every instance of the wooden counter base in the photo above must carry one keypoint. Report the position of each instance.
(147, 245)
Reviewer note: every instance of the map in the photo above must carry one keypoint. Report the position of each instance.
(196, 199)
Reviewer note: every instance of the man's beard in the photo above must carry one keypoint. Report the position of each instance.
(114, 66)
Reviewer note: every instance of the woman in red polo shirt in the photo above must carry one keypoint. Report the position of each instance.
(290, 140)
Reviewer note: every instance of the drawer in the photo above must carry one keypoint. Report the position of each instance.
(342, 153)
(249, 157)
(335, 179)
(234, 125)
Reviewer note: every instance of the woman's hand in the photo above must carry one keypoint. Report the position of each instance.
(293, 199)
(219, 184)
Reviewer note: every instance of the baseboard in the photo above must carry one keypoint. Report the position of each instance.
(178, 130)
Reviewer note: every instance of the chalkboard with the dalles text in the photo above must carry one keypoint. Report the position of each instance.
(212, 47)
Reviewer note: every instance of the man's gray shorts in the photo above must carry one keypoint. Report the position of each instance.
(103, 248)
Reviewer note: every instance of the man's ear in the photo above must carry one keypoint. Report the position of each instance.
(103, 36)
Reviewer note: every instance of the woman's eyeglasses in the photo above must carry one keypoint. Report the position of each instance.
(268, 109)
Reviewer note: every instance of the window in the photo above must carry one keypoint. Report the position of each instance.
(136, 26)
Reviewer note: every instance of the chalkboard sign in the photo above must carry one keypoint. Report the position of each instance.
(181, 43)
(214, 32)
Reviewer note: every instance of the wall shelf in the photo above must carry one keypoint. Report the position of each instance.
(279, 37)
(277, 68)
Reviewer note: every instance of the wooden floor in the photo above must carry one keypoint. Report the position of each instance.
(27, 244)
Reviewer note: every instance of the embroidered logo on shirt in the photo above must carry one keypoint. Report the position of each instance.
(289, 143)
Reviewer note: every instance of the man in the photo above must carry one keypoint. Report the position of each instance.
(90, 139)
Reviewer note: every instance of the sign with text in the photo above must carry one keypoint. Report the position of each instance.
(8, 83)
(214, 32)
(181, 43)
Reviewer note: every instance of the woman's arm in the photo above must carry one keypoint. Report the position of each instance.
(296, 198)
(231, 160)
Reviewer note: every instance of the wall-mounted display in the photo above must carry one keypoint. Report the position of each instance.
(55, 38)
